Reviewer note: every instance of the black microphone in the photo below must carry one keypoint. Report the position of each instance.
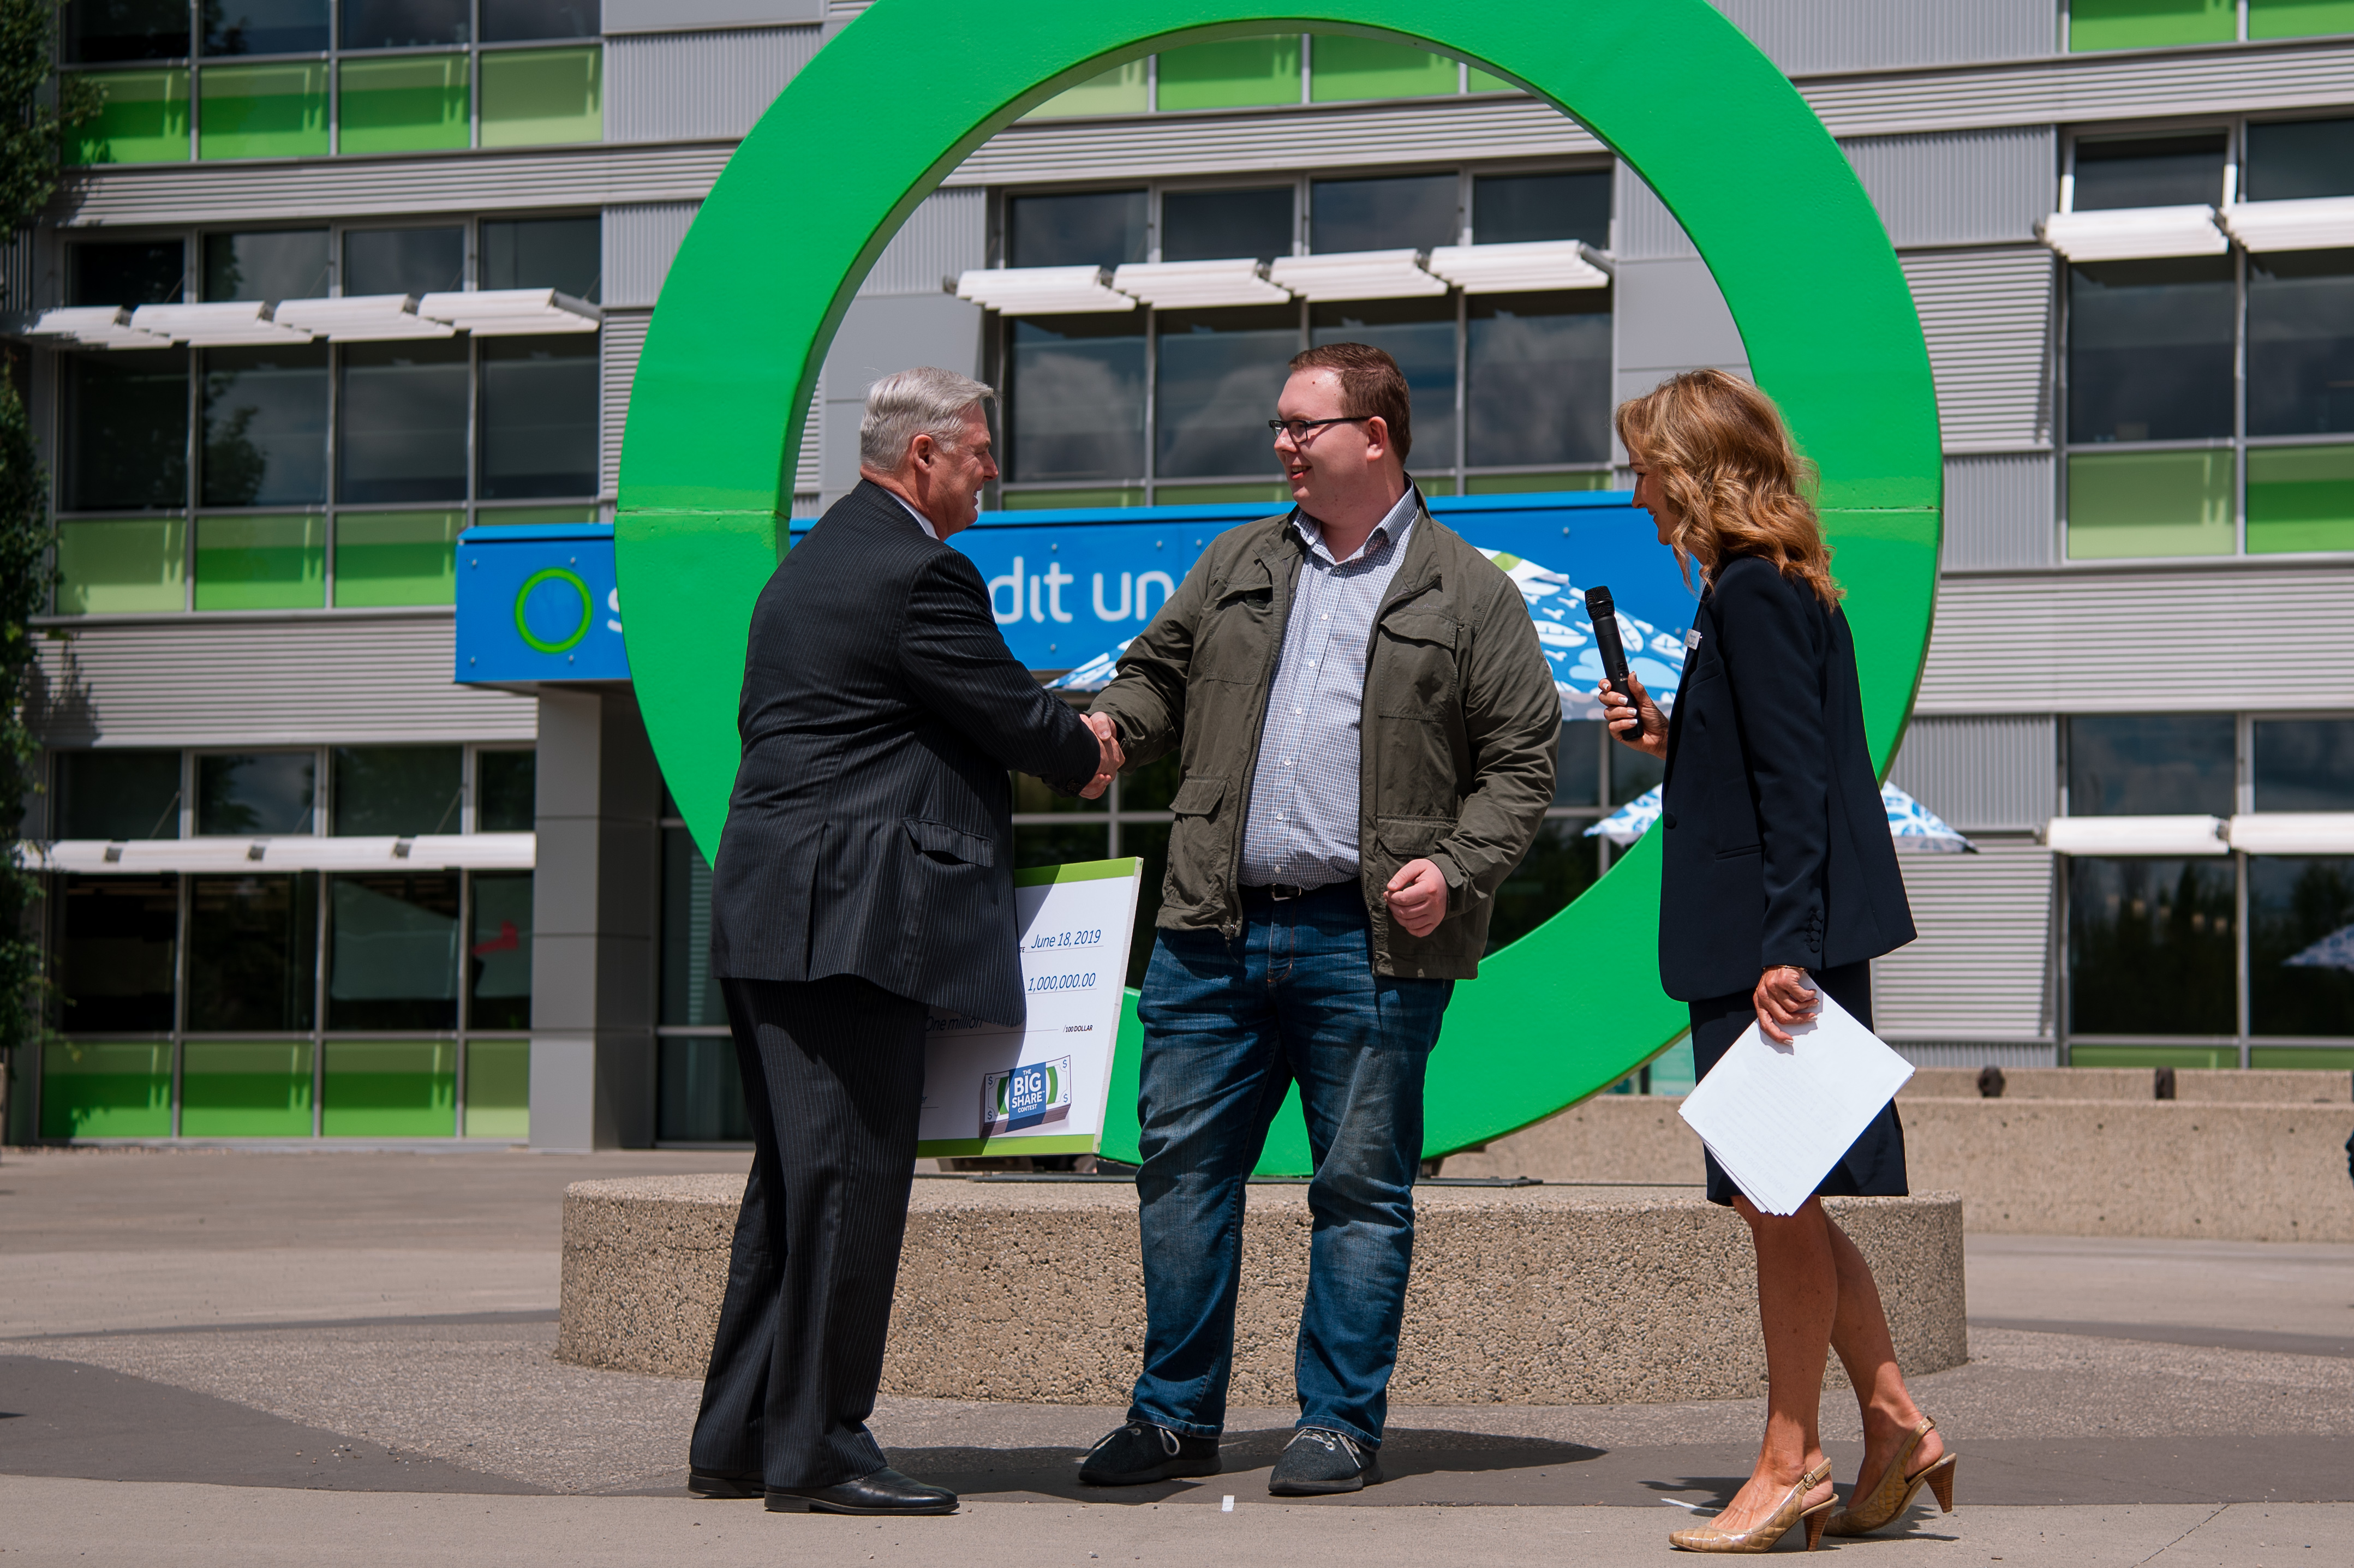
(1605, 616)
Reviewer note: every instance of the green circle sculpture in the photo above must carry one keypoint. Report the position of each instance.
(587, 609)
(897, 100)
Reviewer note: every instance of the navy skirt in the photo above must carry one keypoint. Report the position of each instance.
(1873, 1166)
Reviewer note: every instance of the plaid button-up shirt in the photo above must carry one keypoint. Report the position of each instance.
(1303, 828)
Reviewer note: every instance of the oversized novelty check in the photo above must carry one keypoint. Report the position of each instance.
(1041, 1089)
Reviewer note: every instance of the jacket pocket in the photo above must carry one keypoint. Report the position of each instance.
(1411, 838)
(940, 841)
(1413, 674)
(1198, 798)
(1737, 854)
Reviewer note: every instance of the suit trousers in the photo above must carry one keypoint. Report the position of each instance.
(833, 1080)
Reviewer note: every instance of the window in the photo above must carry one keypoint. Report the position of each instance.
(118, 794)
(125, 431)
(393, 952)
(252, 942)
(418, 261)
(134, 273)
(1241, 73)
(1237, 73)
(117, 952)
(2159, 24)
(560, 253)
(1087, 229)
(254, 792)
(1511, 392)
(2173, 447)
(539, 416)
(2150, 947)
(505, 785)
(402, 434)
(401, 790)
(261, 72)
(2305, 764)
(266, 264)
(1209, 225)
(498, 959)
(2297, 981)
(2151, 765)
(265, 427)
(1344, 67)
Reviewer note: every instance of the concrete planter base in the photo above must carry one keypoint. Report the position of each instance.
(1034, 1291)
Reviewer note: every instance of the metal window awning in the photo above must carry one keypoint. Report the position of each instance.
(512, 312)
(2293, 833)
(2135, 835)
(1357, 275)
(1042, 291)
(425, 852)
(2322, 223)
(229, 323)
(96, 327)
(2134, 233)
(362, 318)
(1523, 268)
(1199, 285)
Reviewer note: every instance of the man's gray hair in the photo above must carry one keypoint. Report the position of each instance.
(926, 400)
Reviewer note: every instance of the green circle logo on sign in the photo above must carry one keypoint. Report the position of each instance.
(588, 611)
(895, 103)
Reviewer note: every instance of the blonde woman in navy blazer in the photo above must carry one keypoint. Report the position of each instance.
(1779, 877)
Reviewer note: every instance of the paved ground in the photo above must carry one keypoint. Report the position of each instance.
(314, 1357)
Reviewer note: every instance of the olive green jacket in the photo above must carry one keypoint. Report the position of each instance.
(1459, 727)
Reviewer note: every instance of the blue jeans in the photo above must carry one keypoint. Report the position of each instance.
(1228, 1028)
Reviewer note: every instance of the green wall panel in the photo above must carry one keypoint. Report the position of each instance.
(2300, 498)
(2151, 23)
(1047, 500)
(105, 1090)
(1341, 67)
(1477, 80)
(409, 103)
(390, 1088)
(143, 119)
(2197, 1056)
(498, 1088)
(1119, 91)
(1236, 74)
(261, 563)
(396, 557)
(1276, 495)
(1670, 85)
(2303, 1058)
(236, 1090)
(2299, 18)
(1533, 484)
(122, 566)
(2122, 505)
(536, 97)
(262, 111)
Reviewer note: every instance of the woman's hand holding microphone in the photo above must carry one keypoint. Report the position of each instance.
(1634, 718)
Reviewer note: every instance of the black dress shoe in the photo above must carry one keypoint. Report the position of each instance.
(887, 1491)
(725, 1483)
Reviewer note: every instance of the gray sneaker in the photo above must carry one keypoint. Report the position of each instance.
(1319, 1462)
(1140, 1452)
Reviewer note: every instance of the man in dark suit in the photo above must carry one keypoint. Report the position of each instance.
(865, 875)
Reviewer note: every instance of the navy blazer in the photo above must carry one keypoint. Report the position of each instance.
(871, 832)
(1776, 845)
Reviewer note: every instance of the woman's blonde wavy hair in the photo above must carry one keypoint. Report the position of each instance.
(1723, 455)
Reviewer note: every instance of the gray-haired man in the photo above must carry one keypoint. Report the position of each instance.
(866, 874)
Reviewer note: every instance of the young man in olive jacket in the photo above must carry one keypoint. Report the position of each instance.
(1368, 730)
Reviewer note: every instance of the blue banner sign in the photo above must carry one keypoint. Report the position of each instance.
(1066, 586)
(537, 603)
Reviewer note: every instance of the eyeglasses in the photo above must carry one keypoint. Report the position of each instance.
(1297, 428)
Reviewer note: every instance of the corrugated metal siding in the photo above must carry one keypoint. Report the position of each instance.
(1977, 1054)
(1871, 35)
(1642, 228)
(255, 191)
(809, 462)
(1966, 187)
(201, 681)
(2057, 90)
(625, 338)
(1988, 316)
(641, 239)
(684, 87)
(1998, 509)
(1985, 773)
(1980, 967)
(947, 233)
(2094, 639)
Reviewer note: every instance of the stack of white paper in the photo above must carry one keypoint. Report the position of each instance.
(1777, 1118)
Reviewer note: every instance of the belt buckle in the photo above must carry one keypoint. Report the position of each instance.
(1283, 892)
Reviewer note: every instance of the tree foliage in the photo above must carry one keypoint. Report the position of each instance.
(28, 176)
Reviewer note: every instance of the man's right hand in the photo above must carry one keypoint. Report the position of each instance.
(1112, 758)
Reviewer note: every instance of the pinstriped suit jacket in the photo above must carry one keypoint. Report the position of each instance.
(870, 832)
